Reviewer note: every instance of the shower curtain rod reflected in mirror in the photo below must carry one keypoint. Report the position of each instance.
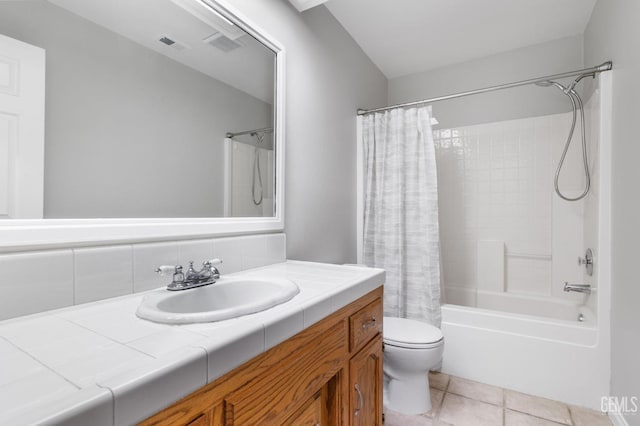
(606, 66)
(231, 135)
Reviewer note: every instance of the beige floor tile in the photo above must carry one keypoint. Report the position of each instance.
(461, 411)
(438, 380)
(475, 390)
(393, 418)
(436, 403)
(538, 407)
(515, 418)
(585, 417)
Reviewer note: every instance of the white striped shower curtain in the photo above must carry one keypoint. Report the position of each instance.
(401, 231)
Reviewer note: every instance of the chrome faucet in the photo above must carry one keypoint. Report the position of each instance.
(578, 288)
(209, 274)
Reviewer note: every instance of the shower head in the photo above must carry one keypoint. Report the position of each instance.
(549, 83)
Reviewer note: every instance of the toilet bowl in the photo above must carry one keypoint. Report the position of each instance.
(411, 349)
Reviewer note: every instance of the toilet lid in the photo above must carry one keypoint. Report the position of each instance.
(409, 333)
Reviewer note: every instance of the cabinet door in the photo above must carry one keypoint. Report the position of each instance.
(365, 382)
(203, 420)
(291, 379)
(311, 415)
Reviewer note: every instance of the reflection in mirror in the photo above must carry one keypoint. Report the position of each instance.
(150, 109)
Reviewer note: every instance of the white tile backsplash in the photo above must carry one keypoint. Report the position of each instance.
(275, 247)
(196, 251)
(60, 278)
(102, 272)
(35, 282)
(146, 258)
(230, 251)
(262, 250)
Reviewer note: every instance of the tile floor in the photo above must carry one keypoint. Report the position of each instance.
(461, 402)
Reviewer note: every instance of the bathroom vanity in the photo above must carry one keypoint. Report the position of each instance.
(315, 359)
(329, 374)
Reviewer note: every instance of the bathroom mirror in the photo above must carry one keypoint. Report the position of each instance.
(154, 118)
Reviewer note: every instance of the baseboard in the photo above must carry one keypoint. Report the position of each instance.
(617, 419)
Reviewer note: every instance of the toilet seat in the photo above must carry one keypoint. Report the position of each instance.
(411, 334)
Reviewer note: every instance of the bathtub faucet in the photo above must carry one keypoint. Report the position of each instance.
(578, 288)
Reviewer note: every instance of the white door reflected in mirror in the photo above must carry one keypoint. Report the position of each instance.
(22, 107)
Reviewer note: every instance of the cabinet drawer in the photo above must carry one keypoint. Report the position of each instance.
(365, 324)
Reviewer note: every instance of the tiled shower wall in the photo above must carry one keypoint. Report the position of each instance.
(503, 229)
(39, 281)
(592, 200)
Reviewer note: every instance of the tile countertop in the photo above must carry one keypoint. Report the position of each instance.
(99, 364)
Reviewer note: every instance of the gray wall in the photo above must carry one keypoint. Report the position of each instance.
(614, 33)
(328, 78)
(534, 61)
(129, 132)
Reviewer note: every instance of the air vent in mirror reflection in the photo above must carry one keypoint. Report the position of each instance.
(172, 42)
(222, 42)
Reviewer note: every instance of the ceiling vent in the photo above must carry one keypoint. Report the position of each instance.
(211, 17)
(172, 42)
(303, 5)
(222, 42)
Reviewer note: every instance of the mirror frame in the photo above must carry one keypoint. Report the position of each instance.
(35, 234)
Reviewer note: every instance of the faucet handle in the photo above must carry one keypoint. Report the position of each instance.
(211, 266)
(167, 269)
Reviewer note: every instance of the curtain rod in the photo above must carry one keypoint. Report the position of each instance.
(246, 132)
(606, 66)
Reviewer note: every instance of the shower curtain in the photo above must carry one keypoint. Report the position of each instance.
(401, 231)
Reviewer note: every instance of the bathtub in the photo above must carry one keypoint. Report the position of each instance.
(559, 359)
(539, 306)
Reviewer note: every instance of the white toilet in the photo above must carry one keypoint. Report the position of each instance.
(411, 349)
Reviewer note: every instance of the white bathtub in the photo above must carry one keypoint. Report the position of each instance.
(553, 358)
(539, 306)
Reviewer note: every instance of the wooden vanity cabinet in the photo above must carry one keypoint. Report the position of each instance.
(365, 369)
(329, 374)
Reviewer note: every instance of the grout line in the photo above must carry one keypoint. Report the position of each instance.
(113, 400)
(45, 365)
(570, 415)
(110, 338)
(73, 266)
(504, 406)
(133, 268)
(541, 418)
(504, 411)
(475, 399)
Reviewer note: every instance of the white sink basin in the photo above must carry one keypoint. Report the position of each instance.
(227, 298)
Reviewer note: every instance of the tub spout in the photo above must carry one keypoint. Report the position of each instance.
(578, 288)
